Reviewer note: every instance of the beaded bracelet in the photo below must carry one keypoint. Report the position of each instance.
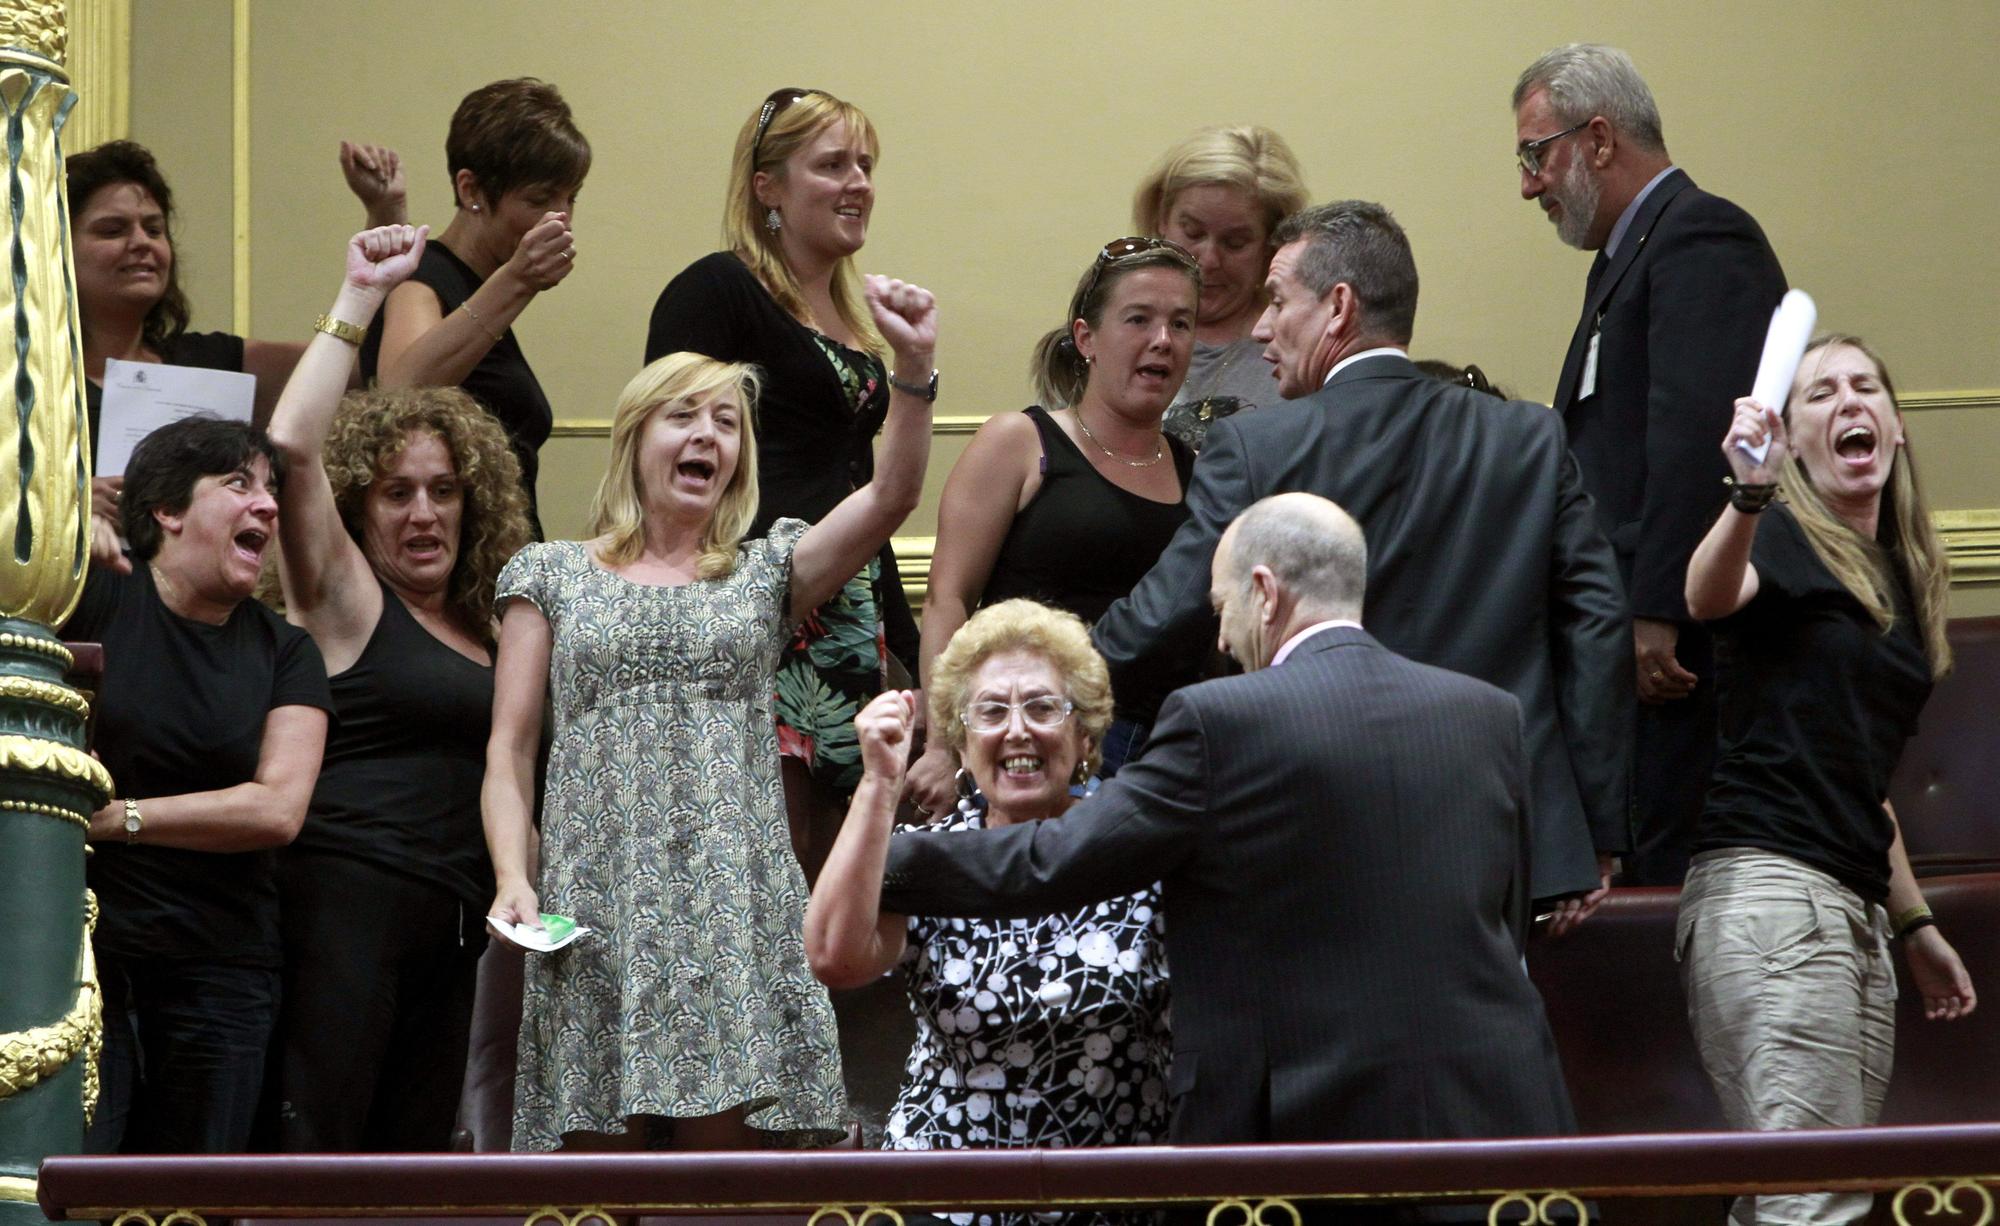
(1748, 498)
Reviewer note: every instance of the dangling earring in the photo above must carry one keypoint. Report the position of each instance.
(772, 221)
(1081, 775)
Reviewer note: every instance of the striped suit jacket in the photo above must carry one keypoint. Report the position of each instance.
(1342, 845)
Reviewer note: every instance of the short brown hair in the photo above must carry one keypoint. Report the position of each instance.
(515, 133)
(124, 161)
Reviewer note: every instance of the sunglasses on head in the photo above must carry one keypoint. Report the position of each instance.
(778, 101)
(1124, 249)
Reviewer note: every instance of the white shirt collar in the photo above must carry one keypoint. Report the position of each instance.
(1352, 358)
(1292, 643)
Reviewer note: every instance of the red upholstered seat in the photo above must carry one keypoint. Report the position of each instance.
(1947, 788)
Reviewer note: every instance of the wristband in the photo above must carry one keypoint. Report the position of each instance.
(353, 334)
(922, 391)
(1910, 919)
(1923, 921)
(1747, 498)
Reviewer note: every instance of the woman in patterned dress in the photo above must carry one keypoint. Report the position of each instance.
(786, 296)
(688, 1015)
(1044, 1032)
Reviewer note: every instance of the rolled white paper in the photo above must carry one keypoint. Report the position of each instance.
(1784, 344)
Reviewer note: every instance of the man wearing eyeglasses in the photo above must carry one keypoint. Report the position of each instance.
(1674, 316)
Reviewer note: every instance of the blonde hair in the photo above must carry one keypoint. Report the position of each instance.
(1861, 564)
(743, 230)
(1250, 158)
(617, 512)
(1022, 625)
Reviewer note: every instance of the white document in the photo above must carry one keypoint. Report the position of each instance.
(1784, 345)
(140, 397)
(558, 931)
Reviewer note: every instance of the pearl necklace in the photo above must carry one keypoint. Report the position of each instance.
(1159, 446)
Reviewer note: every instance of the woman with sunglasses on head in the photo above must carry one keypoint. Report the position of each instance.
(1071, 504)
(1829, 611)
(787, 297)
(1220, 193)
(1045, 1032)
(517, 162)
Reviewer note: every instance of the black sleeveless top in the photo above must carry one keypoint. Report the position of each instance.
(1082, 542)
(503, 383)
(399, 788)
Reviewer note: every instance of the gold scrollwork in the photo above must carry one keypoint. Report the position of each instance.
(29, 1057)
(1253, 1215)
(21, 753)
(1942, 1198)
(855, 1217)
(48, 693)
(174, 1217)
(1537, 1207)
(550, 1213)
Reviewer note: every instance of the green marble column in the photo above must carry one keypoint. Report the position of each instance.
(50, 1010)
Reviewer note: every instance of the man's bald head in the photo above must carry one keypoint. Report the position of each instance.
(1313, 549)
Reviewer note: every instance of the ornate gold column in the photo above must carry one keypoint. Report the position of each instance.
(50, 1011)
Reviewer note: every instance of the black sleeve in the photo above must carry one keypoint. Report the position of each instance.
(1713, 287)
(94, 609)
(1136, 830)
(703, 310)
(298, 679)
(209, 350)
(1157, 638)
(1785, 562)
(1590, 647)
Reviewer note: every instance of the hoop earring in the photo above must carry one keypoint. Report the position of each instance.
(962, 782)
(772, 221)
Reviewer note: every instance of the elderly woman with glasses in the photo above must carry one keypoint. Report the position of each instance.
(1072, 503)
(1045, 1032)
(1220, 193)
(786, 297)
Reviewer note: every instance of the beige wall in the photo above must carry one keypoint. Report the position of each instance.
(1861, 135)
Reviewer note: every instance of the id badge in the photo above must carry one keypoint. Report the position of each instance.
(1586, 386)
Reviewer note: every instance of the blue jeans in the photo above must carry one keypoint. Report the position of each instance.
(184, 1047)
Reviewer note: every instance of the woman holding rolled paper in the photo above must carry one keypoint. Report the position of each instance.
(1826, 583)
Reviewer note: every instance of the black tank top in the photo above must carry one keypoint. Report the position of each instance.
(1082, 542)
(399, 788)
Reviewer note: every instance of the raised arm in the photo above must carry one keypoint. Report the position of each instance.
(850, 940)
(374, 173)
(266, 811)
(421, 347)
(325, 576)
(1720, 577)
(836, 548)
(981, 498)
(507, 797)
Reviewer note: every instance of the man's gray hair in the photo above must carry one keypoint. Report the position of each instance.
(1588, 79)
(1359, 242)
(1310, 545)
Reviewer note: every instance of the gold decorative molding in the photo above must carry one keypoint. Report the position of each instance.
(30, 1057)
(173, 1217)
(1972, 542)
(856, 1217)
(1537, 1207)
(37, 28)
(32, 756)
(1253, 1215)
(589, 1213)
(100, 69)
(239, 151)
(1917, 402)
(48, 647)
(47, 693)
(20, 1191)
(1942, 1198)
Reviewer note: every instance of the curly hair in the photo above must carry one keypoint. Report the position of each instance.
(1021, 625)
(372, 429)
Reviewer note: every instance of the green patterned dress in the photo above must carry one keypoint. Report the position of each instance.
(664, 830)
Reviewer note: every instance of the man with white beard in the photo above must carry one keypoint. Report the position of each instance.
(1673, 321)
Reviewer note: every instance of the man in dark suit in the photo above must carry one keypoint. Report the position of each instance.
(1341, 838)
(1484, 555)
(1674, 316)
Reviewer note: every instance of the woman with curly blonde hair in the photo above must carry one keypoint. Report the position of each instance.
(405, 506)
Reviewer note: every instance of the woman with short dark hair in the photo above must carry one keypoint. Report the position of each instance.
(517, 162)
(211, 718)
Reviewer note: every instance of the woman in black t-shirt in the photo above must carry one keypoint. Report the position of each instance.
(787, 297)
(211, 718)
(517, 162)
(128, 292)
(1072, 504)
(400, 512)
(1829, 608)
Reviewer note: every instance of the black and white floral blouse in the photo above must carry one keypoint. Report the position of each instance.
(1048, 1032)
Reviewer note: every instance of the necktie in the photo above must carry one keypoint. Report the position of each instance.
(1597, 267)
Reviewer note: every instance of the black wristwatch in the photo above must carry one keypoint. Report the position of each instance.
(926, 391)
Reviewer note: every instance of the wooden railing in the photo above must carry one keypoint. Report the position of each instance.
(1934, 1174)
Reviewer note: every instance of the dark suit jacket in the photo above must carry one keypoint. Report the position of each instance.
(1340, 842)
(1681, 312)
(1483, 557)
